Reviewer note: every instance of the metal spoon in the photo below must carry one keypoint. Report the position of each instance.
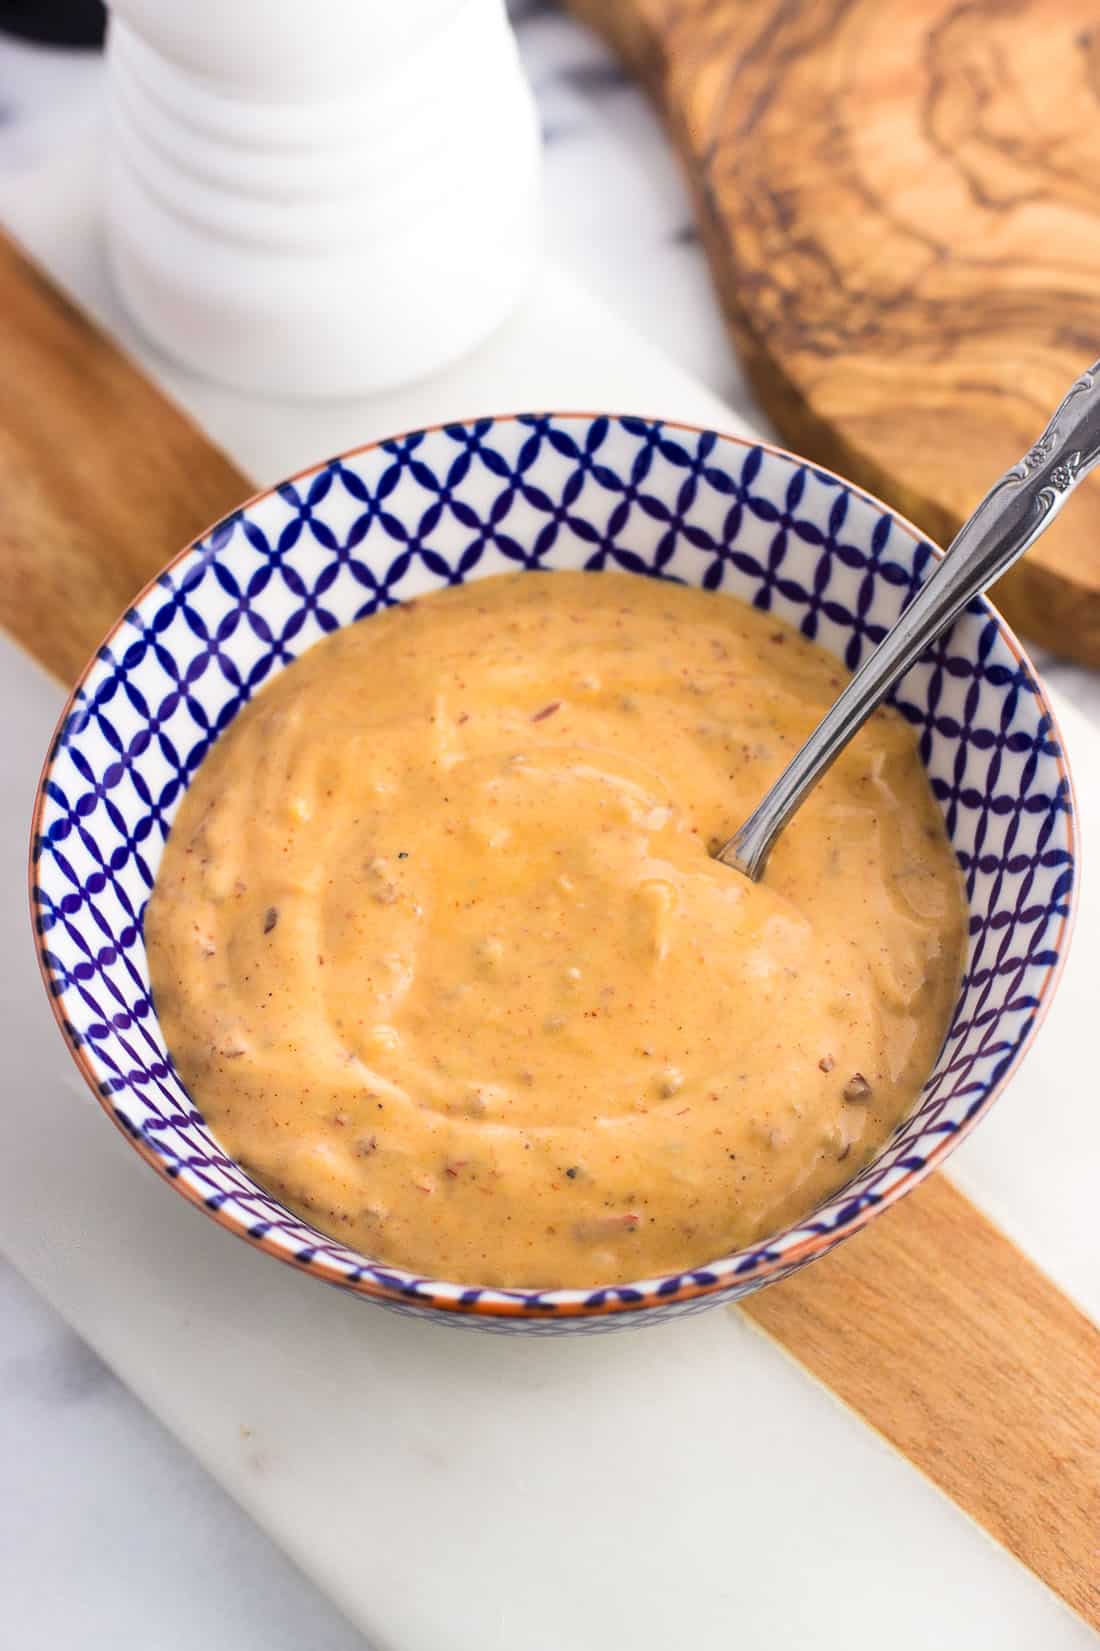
(1010, 518)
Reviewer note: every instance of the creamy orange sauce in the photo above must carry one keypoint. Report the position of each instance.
(440, 951)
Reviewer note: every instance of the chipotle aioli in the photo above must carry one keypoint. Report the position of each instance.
(439, 948)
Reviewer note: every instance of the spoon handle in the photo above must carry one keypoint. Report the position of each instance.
(1015, 511)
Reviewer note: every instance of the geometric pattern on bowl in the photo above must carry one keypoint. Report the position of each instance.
(440, 507)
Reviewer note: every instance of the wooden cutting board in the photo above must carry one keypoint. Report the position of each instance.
(931, 1325)
(901, 207)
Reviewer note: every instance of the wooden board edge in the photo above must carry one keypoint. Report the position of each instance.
(1031, 597)
(939, 1333)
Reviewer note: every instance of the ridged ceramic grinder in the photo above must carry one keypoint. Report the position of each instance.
(319, 200)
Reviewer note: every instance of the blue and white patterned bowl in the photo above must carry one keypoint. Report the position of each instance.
(441, 506)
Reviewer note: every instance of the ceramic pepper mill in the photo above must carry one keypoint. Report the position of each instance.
(319, 200)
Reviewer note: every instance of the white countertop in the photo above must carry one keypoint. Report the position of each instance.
(107, 1519)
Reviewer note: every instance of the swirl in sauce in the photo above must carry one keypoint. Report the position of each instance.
(439, 949)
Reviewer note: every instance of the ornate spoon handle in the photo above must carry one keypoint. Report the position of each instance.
(1015, 511)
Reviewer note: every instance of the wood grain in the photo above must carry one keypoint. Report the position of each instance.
(930, 1325)
(936, 1330)
(102, 478)
(901, 207)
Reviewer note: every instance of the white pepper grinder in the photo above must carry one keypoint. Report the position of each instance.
(319, 199)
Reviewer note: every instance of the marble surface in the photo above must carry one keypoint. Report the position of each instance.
(106, 1515)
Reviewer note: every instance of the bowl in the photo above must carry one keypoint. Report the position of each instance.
(438, 507)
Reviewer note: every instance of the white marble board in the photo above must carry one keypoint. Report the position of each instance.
(686, 1486)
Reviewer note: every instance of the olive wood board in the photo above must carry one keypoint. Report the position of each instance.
(901, 208)
(931, 1325)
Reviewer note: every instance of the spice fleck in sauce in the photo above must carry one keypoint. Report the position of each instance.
(440, 951)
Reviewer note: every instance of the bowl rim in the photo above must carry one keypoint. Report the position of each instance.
(641, 1295)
